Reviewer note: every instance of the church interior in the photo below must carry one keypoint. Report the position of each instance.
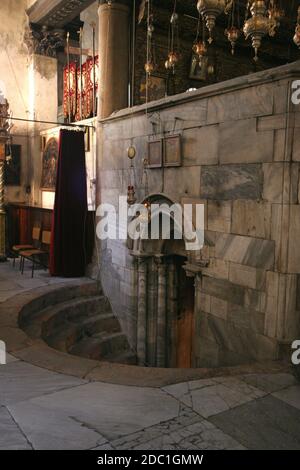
(173, 342)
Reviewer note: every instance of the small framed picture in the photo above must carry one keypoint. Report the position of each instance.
(155, 148)
(172, 150)
(154, 88)
(198, 71)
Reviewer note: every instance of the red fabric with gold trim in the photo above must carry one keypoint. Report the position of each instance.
(72, 92)
(90, 85)
(81, 95)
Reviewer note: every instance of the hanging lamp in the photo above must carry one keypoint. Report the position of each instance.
(233, 32)
(296, 38)
(210, 9)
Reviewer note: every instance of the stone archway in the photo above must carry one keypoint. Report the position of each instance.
(165, 301)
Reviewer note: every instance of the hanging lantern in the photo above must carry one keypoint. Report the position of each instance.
(296, 38)
(174, 55)
(200, 48)
(232, 34)
(275, 14)
(210, 9)
(173, 58)
(131, 199)
(258, 25)
(149, 67)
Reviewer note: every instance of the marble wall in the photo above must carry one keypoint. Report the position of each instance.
(240, 158)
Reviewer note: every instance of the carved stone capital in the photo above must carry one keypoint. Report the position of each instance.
(44, 41)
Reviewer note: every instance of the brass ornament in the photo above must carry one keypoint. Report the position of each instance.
(210, 10)
(296, 38)
(232, 34)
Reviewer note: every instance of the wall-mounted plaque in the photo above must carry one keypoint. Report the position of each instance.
(172, 151)
(155, 153)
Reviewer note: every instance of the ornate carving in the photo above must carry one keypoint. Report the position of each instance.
(44, 41)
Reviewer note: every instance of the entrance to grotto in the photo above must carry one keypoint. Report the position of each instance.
(165, 300)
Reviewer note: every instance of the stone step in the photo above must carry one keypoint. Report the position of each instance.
(101, 346)
(57, 296)
(75, 311)
(67, 334)
(124, 358)
(51, 317)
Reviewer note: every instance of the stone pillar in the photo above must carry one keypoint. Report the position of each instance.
(113, 56)
(152, 313)
(161, 314)
(142, 311)
(172, 315)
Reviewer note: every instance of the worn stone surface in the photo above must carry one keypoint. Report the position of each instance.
(265, 424)
(254, 252)
(247, 276)
(254, 101)
(219, 216)
(232, 182)
(282, 318)
(281, 182)
(251, 218)
(223, 289)
(294, 234)
(11, 436)
(35, 381)
(200, 146)
(240, 142)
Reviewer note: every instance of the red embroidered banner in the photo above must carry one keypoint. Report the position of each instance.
(70, 91)
(81, 101)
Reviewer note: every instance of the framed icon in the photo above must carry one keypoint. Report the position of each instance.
(172, 151)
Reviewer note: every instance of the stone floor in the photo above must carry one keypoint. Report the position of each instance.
(43, 409)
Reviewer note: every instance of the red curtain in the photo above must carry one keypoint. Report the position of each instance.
(67, 251)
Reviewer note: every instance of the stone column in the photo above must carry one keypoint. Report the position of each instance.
(152, 313)
(113, 56)
(172, 315)
(142, 311)
(161, 314)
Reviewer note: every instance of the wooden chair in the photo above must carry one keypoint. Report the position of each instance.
(36, 235)
(37, 256)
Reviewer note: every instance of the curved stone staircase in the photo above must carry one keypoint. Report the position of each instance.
(80, 322)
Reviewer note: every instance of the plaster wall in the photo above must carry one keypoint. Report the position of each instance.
(29, 82)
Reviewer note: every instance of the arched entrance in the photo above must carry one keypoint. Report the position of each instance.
(165, 301)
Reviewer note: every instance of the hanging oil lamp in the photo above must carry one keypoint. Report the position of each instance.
(150, 64)
(233, 32)
(258, 25)
(174, 55)
(296, 38)
(200, 49)
(199, 46)
(275, 14)
(210, 9)
(131, 199)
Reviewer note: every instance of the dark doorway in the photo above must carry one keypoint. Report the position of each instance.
(185, 319)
